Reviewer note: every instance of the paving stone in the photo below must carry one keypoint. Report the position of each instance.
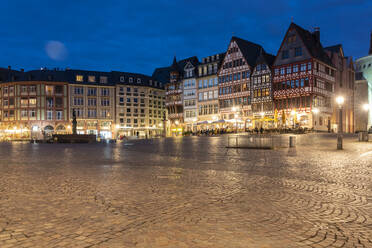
(186, 192)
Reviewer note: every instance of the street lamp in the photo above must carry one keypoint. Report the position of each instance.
(340, 101)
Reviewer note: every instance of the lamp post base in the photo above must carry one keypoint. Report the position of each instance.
(339, 142)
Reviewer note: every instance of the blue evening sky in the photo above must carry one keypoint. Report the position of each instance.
(140, 35)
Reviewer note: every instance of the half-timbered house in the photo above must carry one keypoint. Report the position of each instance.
(303, 81)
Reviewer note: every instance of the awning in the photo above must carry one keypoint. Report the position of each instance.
(202, 123)
(219, 121)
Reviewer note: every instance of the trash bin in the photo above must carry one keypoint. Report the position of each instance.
(292, 141)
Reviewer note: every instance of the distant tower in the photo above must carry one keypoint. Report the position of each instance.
(370, 45)
(175, 71)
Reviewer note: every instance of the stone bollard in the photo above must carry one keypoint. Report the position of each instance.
(292, 141)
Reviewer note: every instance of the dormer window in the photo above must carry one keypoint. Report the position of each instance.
(103, 80)
(79, 78)
(91, 79)
(138, 80)
(189, 72)
(122, 79)
(130, 80)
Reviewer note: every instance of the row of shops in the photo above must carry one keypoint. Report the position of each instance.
(103, 130)
(293, 120)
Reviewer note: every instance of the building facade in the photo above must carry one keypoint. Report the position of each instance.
(303, 82)
(140, 105)
(189, 93)
(363, 66)
(92, 99)
(207, 84)
(360, 100)
(234, 78)
(39, 103)
(174, 95)
(344, 86)
(262, 101)
(33, 105)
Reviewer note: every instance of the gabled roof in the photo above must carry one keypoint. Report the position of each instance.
(335, 48)
(312, 44)
(193, 60)
(162, 74)
(249, 50)
(265, 58)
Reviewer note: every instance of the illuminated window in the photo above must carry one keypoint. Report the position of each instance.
(49, 90)
(79, 78)
(91, 79)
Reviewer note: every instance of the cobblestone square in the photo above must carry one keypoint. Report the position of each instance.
(186, 192)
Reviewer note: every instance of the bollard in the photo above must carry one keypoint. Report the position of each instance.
(366, 136)
(360, 136)
(292, 141)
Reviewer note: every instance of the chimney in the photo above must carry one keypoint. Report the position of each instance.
(370, 46)
(316, 33)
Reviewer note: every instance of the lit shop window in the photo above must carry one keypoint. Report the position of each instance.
(79, 78)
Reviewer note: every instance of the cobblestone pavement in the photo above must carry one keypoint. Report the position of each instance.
(186, 192)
